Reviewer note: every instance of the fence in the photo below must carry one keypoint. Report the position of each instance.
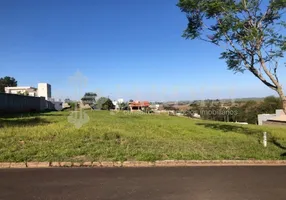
(12, 103)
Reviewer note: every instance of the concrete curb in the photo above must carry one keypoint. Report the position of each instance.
(160, 163)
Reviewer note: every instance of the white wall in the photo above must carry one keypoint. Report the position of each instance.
(21, 90)
(265, 117)
(44, 90)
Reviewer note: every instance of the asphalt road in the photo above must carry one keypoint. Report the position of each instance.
(198, 183)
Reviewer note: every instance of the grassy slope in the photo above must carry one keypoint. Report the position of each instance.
(50, 137)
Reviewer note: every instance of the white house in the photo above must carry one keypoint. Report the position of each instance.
(43, 90)
(154, 107)
(31, 91)
(117, 103)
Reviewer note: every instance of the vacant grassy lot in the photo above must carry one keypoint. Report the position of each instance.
(121, 136)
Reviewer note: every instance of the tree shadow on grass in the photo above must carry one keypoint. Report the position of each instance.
(130, 117)
(242, 130)
(230, 128)
(278, 144)
(19, 115)
(21, 122)
(59, 114)
(32, 114)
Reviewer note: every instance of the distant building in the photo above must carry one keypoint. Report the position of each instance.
(155, 107)
(117, 103)
(138, 105)
(196, 115)
(30, 91)
(58, 105)
(43, 90)
(279, 118)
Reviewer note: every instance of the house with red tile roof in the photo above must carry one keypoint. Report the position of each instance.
(138, 105)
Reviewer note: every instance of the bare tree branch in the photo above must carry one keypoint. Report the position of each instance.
(267, 72)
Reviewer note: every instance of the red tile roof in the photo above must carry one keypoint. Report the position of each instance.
(140, 103)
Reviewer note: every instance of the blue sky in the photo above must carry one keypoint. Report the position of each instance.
(126, 49)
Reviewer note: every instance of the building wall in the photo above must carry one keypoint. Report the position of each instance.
(45, 90)
(16, 91)
(275, 123)
(264, 117)
(12, 103)
(31, 92)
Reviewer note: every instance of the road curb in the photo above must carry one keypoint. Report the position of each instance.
(159, 163)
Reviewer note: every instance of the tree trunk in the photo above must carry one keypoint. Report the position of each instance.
(283, 98)
(284, 104)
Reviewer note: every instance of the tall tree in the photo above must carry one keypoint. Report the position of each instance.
(107, 105)
(7, 81)
(250, 32)
(123, 105)
(104, 103)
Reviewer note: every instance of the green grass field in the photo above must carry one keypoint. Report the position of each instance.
(122, 136)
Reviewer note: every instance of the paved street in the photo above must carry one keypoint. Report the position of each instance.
(198, 183)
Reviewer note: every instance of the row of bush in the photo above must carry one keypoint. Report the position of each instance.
(246, 111)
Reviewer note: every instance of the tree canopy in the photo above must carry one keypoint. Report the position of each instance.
(249, 31)
(123, 106)
(104, 103)
(7, 81)
(89, 98)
